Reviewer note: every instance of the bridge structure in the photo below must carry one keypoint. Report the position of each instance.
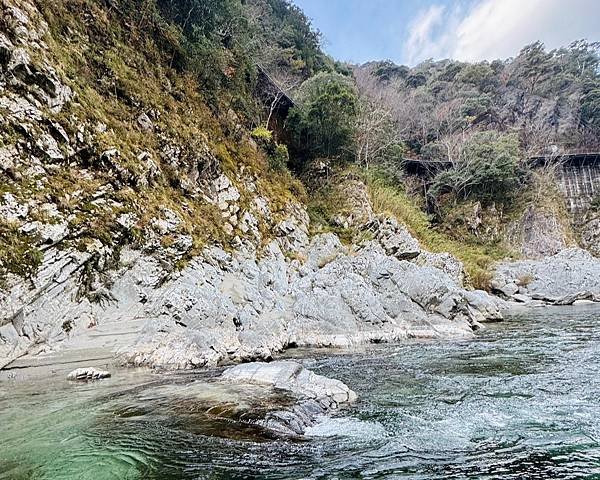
(578, 174)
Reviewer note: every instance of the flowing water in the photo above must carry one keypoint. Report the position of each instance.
(521, 400)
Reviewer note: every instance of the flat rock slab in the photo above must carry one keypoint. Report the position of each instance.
(87, 373)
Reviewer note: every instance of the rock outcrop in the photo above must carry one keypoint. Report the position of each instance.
(315, 395)
(234, 306)
(561, 279)
(538, 234)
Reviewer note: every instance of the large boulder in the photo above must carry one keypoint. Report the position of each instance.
(315, 395)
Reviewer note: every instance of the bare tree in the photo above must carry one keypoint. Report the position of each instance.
(278, 85)
(375, 132)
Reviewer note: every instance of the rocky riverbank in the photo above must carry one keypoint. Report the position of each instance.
(239, 306)
(150, 231)
(569, 276)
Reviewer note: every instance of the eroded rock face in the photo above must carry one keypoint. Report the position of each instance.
(275, 288)
(232, 307)
(538, 234)
(561, 279)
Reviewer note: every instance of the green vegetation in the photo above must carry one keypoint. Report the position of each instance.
(323, 206)
(488, 170)
(476, 256)
(322, 124)
(188, 62)
(18, 253)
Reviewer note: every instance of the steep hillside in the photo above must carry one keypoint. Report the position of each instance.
(474, 127)
(147, 212)
(107, 117)
(549, 98)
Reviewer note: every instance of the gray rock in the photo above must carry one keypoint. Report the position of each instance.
(446, 262)
(570, 299)
(224, 307)
(394, 238)
(168, 223)
(322, 250)
(568, 276)
(486, 308)
(519, 297)
(537, 234)
(316, 395)
(11, 210)
(590, 235)
(145, 123)
(46, 232)
(508, 289)
(87, 373)
(292, 377)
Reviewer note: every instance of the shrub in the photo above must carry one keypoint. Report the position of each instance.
(278, 160)
(488, 169)
(262, 133)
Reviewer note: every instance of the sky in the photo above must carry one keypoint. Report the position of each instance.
(410, 31)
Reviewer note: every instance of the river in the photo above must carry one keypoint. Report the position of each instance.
(521, 400)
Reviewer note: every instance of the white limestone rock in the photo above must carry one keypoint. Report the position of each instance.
(87, 373)
(315, 394)
(564, 278)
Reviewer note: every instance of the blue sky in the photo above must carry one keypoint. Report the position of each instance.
(409, 31)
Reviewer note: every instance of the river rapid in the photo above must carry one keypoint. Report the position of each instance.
(521, 400)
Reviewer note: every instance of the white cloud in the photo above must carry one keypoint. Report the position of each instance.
(492, 29)
(421, 38)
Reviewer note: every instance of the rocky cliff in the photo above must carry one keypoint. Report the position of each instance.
(137, 224)
(233, 306)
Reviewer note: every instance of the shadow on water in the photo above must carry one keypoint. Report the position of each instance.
(519, 401)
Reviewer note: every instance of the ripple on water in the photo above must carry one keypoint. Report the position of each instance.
(519, 401)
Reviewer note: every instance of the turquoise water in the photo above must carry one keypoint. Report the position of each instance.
(522, 400)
